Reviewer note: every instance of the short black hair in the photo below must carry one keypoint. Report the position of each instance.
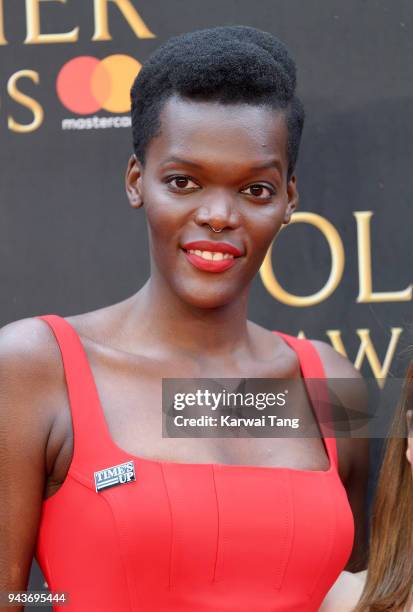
(228, 64)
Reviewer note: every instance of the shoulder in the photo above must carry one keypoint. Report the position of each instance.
(345, 383)
(27, 347)
(335, 364)
(30, 365)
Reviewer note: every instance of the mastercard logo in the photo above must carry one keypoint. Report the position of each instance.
(86, 84)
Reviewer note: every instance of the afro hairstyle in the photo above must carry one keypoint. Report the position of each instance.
(226, 64)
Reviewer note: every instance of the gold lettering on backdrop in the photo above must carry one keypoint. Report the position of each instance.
(366, 293)
(337, 264)
(34, 37)
(26, 101)
(367, 351)
(129, 12)
(3, 40)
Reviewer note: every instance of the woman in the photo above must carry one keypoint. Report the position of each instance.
(389, 581)
(247, 524)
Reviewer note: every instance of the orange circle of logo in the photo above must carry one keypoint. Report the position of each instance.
(86, 85)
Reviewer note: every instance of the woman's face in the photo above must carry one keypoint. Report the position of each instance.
(219, 165)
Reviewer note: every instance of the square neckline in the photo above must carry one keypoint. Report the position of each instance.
(209, 465)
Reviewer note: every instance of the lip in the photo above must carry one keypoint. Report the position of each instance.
(214, 247)
(209, 265)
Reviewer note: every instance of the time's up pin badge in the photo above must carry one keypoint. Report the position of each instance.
(115, 475)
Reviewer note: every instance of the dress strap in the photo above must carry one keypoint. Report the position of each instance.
(90, 436)
(314, 376)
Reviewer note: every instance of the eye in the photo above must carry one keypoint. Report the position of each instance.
(182, 183)
(262, 192)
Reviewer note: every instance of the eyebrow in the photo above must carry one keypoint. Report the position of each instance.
(179, 160)
(269, 164)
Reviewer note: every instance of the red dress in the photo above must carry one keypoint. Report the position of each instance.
(188, 537)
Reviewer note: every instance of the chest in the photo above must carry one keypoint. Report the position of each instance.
(203, 537)
(131, 402)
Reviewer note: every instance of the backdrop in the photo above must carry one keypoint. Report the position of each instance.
(69, 242)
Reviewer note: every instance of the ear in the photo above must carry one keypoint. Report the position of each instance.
(409, 450)
(293, 199)
(133, 182)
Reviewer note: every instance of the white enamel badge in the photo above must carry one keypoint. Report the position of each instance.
(115, 475)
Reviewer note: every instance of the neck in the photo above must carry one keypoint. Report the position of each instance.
(162, 318)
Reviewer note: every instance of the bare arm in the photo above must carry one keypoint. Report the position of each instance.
(25, 423)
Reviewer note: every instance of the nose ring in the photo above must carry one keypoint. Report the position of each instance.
(214, 230)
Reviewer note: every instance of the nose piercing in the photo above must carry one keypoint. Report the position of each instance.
(214, 230)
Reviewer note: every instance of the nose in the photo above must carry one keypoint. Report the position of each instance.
(219, 211)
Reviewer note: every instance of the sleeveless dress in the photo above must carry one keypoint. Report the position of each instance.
(187, 537)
